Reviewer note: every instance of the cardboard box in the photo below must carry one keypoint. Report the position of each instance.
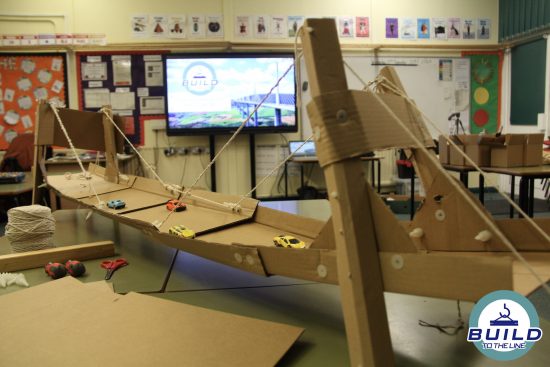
(476, 148)
(444, 150)
(455, 158)
(508, 151)
(532, 149)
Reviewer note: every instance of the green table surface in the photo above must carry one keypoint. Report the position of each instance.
(149, 261)
(313, 306)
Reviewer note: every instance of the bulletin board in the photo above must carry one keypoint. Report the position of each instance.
(131, 82)
(26, 78)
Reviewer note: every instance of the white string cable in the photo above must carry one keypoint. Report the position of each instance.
(105, 112)
(453, 182)
(187, 191)
(273, 171)
(84, 172)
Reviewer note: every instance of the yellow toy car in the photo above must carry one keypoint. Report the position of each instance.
(288, 241)
(182, 231)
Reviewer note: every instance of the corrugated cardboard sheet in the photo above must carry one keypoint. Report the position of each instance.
(362, 125)
(65, 321)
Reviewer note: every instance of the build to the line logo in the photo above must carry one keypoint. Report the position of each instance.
(504, 325)
(199, 78)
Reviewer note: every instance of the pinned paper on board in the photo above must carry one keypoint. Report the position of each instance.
(261, 26)
(93, 70)
(214, 26)
(242, 26)
(122, 70)
(176, 26)
(197, 26)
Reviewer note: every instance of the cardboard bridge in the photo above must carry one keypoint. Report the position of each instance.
(363, 247)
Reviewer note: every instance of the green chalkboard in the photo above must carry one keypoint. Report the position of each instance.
(528, 75)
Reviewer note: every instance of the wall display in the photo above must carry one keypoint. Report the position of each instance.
(140, 25)
(424, 28)
(468, 29)
(392, 28)
(214, 26)
(197, 26)
(439, 26)
(408, 29)
(346, 26)
(159, 26)
(25, 78)
(485, 91)
(261, 26)
(278, 26)
(362, 27)
(294, 22)
(242, 26)
(453, 28)
(484, 29)
(132, 83)
(176, 26)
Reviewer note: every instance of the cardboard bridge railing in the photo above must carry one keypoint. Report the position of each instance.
(363, 247)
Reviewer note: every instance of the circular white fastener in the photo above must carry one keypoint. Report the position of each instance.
(440, 215)
(334, 194)
(397, 262)
(341, 116)
(317, 133)
(484, 236)
(238, 257)
(249, 260)
(416, 233)
(322, 271)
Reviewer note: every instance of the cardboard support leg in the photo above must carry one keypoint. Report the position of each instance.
(359, 273)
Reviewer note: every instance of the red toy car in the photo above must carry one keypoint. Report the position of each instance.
(175, 205)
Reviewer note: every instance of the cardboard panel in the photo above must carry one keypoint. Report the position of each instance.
(532, 149)
(444, 153)
(134, 199)
(287, 222)
(171, 334)
(253, 234)
(446, 275)
(365, 124)
(77, 188)
(523, 235)
(197, 218)
(509, 153)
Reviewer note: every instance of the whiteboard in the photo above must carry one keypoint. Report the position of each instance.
(438, 99)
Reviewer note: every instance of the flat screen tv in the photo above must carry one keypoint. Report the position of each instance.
(214, 93)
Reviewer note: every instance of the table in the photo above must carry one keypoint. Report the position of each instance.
(527, 175)
(314, 160)
(149, 261)
(316, 307)
(463, 172)
(16, 189)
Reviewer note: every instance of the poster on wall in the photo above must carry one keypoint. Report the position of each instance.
(140, 25)
(439, 26)
(408, 28)
(261, 26)
(24, 79)
(176, 26)
(484, 29)
(278, 26)
(133, 88)
(453, 28)
(423, 25)
(468, 29)
(214, 26)
(197, 26)
(346, 26)
(484, 92)
(159, 26)
(392, 29)
(362, 27)
(242, 26)
(294, 22)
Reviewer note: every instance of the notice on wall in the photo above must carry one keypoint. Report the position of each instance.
(362, 27)
(197, 25)
(96, 97)
(242, 26)
(408, 28)
(123, 100)
(140, 25)
(346, 26)
(154, 74)
(93, 70)
(484, 29)
(294, 22)
(152, 105)
(261, 26)
(122, 70)
(159, 26)
(446, 70)
(176, 26)
(278, 26)
(214, 26)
